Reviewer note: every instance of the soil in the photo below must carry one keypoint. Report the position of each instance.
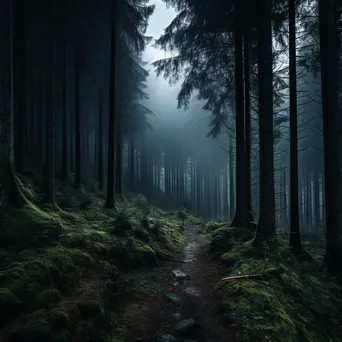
(157, 315)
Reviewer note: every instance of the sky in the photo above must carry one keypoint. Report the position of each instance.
(160, 19)
(163, 98)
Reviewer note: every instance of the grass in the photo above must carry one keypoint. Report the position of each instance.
(65, 272)
(294, 301)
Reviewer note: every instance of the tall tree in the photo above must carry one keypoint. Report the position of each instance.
(50, 131)
(100, 167)
(19, 80)
(329, 57)
(295, 241)
(65, 128)
(78, 135)
(8, 188)
(241, 214)
(266, 226)
(110, 201)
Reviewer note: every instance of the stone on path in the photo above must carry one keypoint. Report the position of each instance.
(186, 326)
(177, 316)
(166, 338)
(173, 298)
(179, 274)
(191, 290)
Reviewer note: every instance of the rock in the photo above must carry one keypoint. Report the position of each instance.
(220, 244)
(177, 316)
(179, 274)
(186, 326)
(173, 298)
(166, 338)
(192, 291)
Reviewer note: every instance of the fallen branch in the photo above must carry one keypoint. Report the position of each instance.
(246, 276)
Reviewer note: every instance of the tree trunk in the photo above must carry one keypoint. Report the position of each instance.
(118, 168)
(231, 182)
(78, 137)
(266, 226)
(19, 80)
(110, 201)
(100, 166)
(247, 98)
(295, 241)
(65, 131)
(50, 132)
(9, 193)
(132, 167)
(241, 213)
(329, 40)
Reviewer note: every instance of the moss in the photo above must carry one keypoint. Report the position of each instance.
(90, 308)
(9, 305)
(30, 226)
(211, 226)
(131, 253)
(59, 270)
(294, 302)
(48, 297)
(225, 237)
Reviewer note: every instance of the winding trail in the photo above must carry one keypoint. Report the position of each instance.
(189, 298)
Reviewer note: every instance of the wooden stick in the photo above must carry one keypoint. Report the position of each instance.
(246, 276)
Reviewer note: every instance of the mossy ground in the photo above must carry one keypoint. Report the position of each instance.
(66, 269)
(294, 302)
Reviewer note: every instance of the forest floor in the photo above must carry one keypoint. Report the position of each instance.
(184, 308)
(76, 271)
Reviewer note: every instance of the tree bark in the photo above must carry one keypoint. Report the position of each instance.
(110, 201)
(65, 128)
(9, 192)
(266, 226)
(78, 136)
(19, 80)
(241, 213)
(295, 241)
(329, 40)
(50, 122)
(100, 166)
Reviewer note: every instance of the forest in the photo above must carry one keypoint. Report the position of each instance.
(170, 171)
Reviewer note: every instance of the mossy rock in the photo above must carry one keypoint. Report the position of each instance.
(132, 253)
(90, 308)
(225, 237)
(212, 226)
(91, 240)
(41, 269)
(30, 226)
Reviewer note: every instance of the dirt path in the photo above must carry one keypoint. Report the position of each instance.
(179, 300)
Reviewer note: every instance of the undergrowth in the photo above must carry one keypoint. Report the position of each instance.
(67, 268)
(292, 300)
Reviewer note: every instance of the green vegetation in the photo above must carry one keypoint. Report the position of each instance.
(292, 301)
(66, 273)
